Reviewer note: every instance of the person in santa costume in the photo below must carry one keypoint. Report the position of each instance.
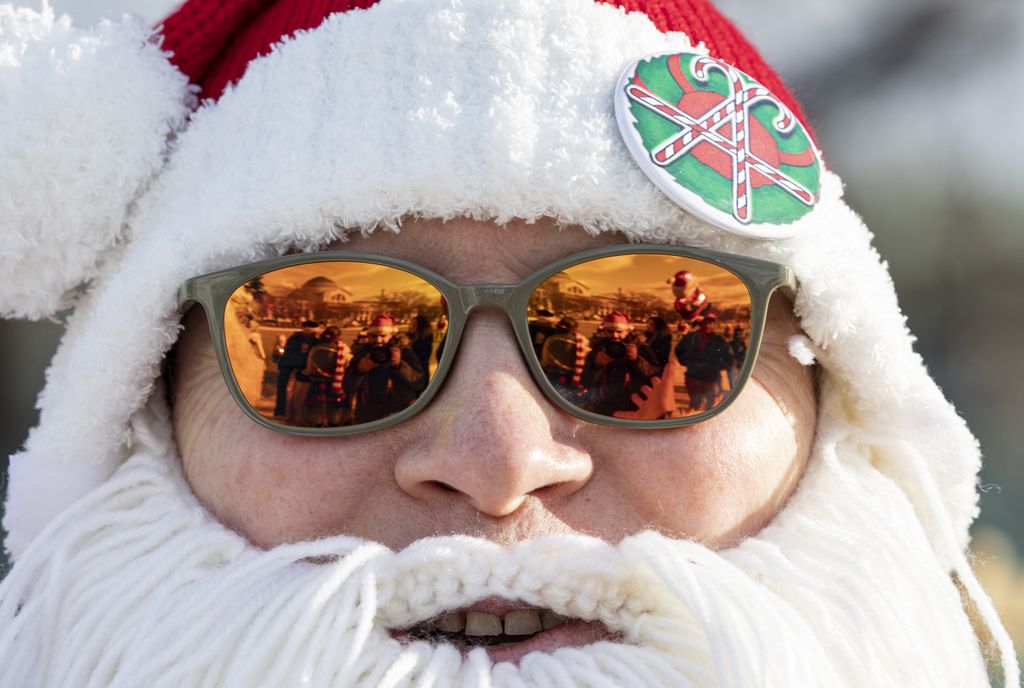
(814, 532)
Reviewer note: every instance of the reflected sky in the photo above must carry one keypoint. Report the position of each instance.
(653, 273)
(363, 280)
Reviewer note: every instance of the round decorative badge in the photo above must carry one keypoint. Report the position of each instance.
(718, 143)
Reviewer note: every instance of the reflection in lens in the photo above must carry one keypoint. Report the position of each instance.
(334, 344)
(642, 336)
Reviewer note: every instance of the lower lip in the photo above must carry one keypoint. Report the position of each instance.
(568, 634)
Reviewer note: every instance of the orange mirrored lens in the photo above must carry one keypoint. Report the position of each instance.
(642, 336)
(334, 344)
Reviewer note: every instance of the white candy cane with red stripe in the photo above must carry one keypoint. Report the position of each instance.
(740, 174)
(340, 363)
(581, 359)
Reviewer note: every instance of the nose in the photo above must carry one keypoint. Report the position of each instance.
(490, 438)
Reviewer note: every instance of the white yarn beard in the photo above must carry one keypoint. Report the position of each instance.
(137, 585)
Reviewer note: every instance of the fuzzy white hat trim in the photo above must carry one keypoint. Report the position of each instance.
(488, 109)
(84, 120)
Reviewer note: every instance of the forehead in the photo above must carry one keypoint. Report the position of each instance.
(473, 251)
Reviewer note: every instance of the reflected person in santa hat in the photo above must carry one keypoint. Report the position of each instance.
(458, 159)
(385, 376)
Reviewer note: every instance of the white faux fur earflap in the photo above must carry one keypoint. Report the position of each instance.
(84, 122)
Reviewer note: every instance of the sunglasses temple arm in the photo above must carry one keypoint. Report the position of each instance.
(186, 297)
(789, 283)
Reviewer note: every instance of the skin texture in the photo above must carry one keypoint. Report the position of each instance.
(490, 456)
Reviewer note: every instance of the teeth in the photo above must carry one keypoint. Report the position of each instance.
(459, 627)
(523, 622)
(478, 623)
(549, 619)
(451, 623)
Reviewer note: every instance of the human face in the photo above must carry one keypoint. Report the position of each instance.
(491, 456)
(615, 334)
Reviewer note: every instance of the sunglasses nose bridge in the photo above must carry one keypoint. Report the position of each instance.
(499, 295)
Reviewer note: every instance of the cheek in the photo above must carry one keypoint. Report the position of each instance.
(275, 488)
(725, 478)
(271, 487)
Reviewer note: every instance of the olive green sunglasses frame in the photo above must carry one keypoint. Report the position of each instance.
(213, 290)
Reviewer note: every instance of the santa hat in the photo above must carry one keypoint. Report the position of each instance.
(682, 278)
(329, 116)
(382, 324)
(616, 321)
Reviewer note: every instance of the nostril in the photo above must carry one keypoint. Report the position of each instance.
(443, 485)
(548, 489)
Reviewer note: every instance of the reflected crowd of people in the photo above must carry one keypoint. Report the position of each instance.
(612, 372)
(322, 380)
(633, 365)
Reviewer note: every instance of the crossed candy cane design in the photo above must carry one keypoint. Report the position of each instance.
(735, 109)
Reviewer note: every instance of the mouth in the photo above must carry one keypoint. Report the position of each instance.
(506, 630)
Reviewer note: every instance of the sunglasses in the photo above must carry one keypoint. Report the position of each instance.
(633, 336)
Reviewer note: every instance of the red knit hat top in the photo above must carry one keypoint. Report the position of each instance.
(213, 41)
(615, 321)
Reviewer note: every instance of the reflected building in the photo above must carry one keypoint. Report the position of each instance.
(563, 293)
(559, 293)
(322, 290)
(320, 299)
(562, 284)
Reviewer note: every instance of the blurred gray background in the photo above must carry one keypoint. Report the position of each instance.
(918, 106)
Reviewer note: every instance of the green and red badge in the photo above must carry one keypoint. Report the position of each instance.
(718, 143)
